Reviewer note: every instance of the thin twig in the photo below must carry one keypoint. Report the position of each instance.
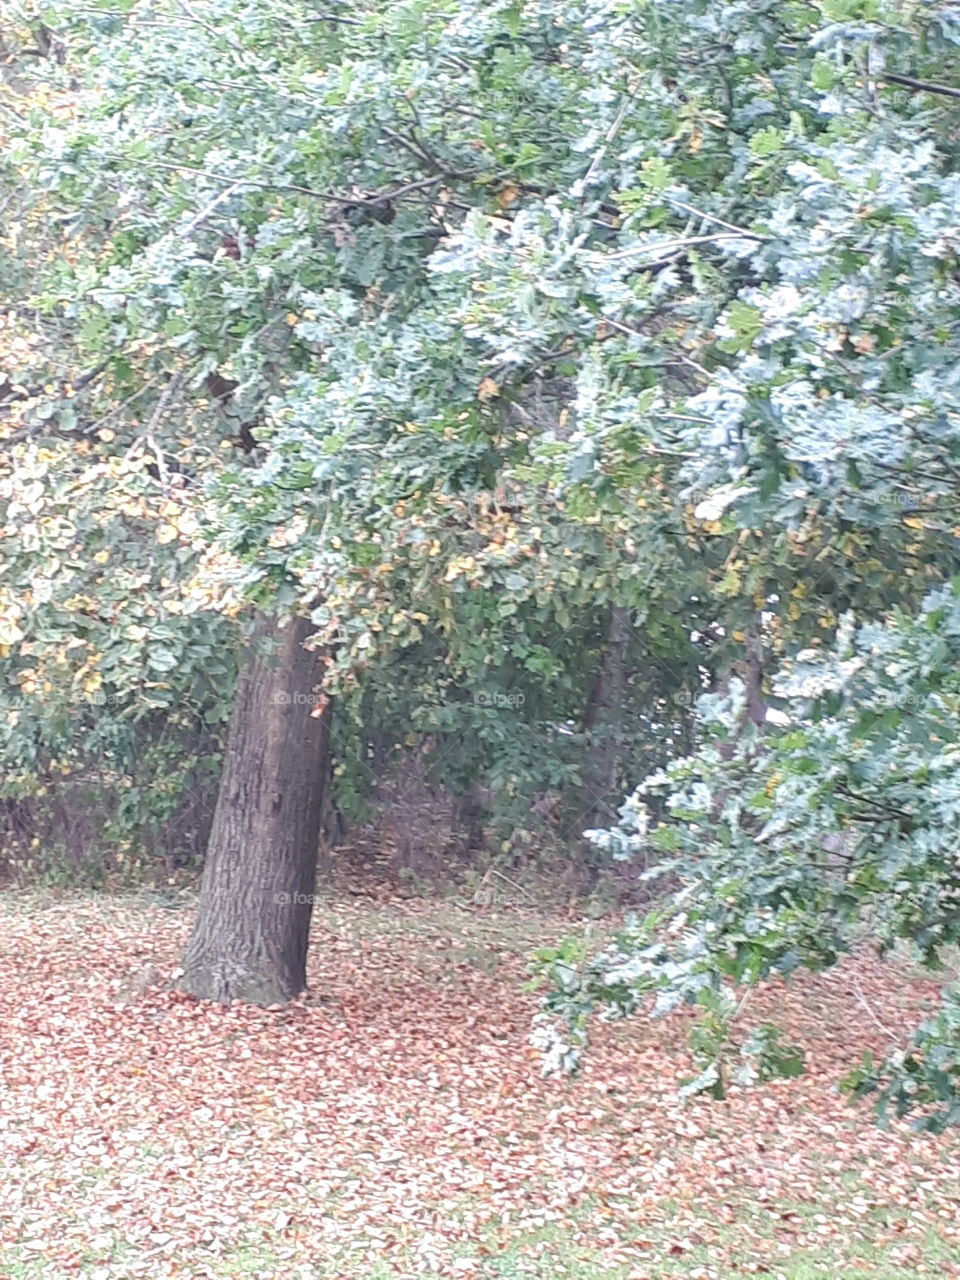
(96, 425)
(710, 217)
(333, 197)
(335, 17)
(494, 871)
(30, 393)
(893, 810)
(205, 212)
(580, 186)
(744, 1001)
(414, 148)
(37, 428)
(216, 33)
(858, 992)
(677, 243)
(147, 436)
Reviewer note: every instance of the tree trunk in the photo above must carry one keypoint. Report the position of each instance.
(601, 796)
(250, 938)
(750, 670)
(469, 813)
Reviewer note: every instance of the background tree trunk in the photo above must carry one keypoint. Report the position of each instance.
(601, 795)
(250, 938)
(593, 804)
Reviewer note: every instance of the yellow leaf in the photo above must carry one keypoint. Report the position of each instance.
(101, 557)
(292, 318)
(914, 522)
(487, 389)
(166, 533)
(507, 195)
(106, 435)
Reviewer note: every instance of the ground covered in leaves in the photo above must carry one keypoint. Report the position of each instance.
(395, 1122)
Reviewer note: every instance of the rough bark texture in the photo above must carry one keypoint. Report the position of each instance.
(601, 797)
(753, 667)
(250, 938)
(750, 669)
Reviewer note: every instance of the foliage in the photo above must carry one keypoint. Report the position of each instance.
(464, 327)
(787, 849)
(822, 438)
(927, 1074)
(316, 280)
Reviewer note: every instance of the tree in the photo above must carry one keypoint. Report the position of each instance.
(223, 323)
(823, 443)
(464, 330)
(793, 846)
(253, 924)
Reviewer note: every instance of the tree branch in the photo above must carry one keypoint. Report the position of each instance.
(17, 394)
(889, 809)
(332, 197)
(922, 86)
(28, 393)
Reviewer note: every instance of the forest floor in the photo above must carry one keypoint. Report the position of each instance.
(394, 1120)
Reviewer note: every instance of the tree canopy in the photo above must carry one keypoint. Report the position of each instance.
(576, 359)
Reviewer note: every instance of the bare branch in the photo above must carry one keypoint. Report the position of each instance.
(28, 393)
(580, 186)
(332, 197)
(146, 437)
(922, 86)
(710, 217)
(205, 212)
(677, 243)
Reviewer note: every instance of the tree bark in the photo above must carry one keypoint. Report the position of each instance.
(250, 938)
(468, 817)
(601, 796)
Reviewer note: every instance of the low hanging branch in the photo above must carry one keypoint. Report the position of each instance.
(374, 201)
(11, 394)
(922, 86)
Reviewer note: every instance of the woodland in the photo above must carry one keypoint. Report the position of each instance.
(479, 638)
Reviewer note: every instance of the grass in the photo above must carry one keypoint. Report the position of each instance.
(558, 1252)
